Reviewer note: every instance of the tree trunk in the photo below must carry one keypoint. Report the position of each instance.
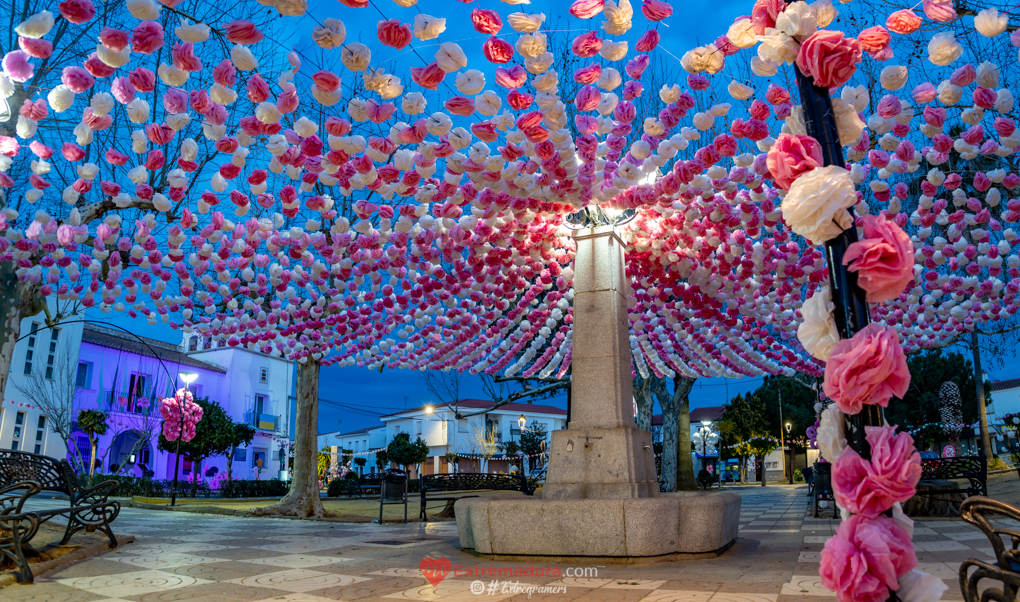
(10, 318)
(92, 460)
(986, 442)
(685, 480)
(643, 396)
(670, 424)
(303, 499)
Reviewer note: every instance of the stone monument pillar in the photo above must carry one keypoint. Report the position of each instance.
(602, 454)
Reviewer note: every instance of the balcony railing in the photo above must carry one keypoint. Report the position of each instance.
(141, 406)
(264, 422)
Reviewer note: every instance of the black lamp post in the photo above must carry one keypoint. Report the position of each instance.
(793, 456)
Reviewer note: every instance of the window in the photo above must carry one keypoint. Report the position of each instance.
(144, 456)
(40, 435)
(83, 380)
(196, 391)
(186, 468)
(19, 425)
(84, 449)
(240, 454)
(258, 457)
(51, 357)
(30, 353)
(260, 404)
(193, 344)
(136, 389)
(263, 375)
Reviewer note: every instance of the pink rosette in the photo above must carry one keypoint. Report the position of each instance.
(242, 32)
(393, 34)
(903, 22)
(586, 9)
(939, 10)
(874, 39)
(586, 45)
(656, 10)
(428, 77)
(497, 50)
(866, 558)
(884, 260)
(867, 369)
(147, 37)
(77, 11)
(792, 156)
(829, 57)
(486, 20)
(870, 487)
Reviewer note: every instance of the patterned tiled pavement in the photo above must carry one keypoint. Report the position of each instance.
(199, 558)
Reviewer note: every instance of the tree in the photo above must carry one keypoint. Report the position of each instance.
(742, 418)
(533, 442)
(677, 464)
(241, 435)
(644, 399)
(214, 436)
(453, 460)
(94, 424)
(928, 371)
(486, 441)
(360, 461)
(382, 458)
(512, 452)
(323, 464)
(405, 452)
(760, 446)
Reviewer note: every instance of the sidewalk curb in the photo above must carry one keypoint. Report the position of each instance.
(68, 559)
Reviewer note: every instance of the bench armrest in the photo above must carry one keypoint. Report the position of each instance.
(12, 504)
(95, 494)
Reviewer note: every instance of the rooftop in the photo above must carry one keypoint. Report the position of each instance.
(712, 413)
(1003, 385)
(165, 352)
(481, 404)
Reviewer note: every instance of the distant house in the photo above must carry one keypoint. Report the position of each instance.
(440, 428)
(710, 413)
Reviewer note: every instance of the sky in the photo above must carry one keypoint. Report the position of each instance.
(354, 398)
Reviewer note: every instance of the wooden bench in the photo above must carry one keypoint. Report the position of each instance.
(23, 475)
(469, 481)
(980, 512)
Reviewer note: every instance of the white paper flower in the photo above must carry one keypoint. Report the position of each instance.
(243, 58)
(777, 46)
(764, 67)
(531, 45)
(848, 122)
(1004, 102)
(797, 21)
(817, 331)
(450, 57)
(816, 205)
(138, 110)
(146, 10)
(172, 76)
(356, 56)
(470, 82)
(613, 51)
(610, 79)
(856, 96)
(949, 94)
(196, 33)
(918, 586)
(825, 12)
(832, 433)
(525, 23)
(413, 103)
(671, 94)
(539, 64)
(739, 91)
(618, 17)
(427, 27)
(894, 77)
(703, 58)
(36, 26)
(741, 34)
(60, 98)
(943, 49)
(988, 75)
(331, 34)
(990, 23)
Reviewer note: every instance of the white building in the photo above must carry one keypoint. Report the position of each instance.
(124, 376)
(440, 428)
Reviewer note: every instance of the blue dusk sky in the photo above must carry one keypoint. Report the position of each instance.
(354, 398)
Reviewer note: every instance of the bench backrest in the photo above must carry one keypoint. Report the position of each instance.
(965, 467)
(467, 481)
(52, 475)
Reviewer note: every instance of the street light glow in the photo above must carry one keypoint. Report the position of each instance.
(188, 377)
(428, 409)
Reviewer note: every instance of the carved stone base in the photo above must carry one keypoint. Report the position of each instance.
(598, 463)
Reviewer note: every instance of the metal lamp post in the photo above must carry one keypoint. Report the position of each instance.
(188, 378)
(793, 456)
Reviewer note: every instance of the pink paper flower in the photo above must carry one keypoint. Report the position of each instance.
(147, 37)
(77, 11)
(939, 10)
(586, 45)
(829, 57)
(36, 48)
(869, 488)
(792, 156)
(656, 10)
(393, 34)
(866, 558)
(114, 39)
(497, 50)
(486, 20)
(867, 369)
(184, 57)
(903, 22)
(242, 32)
(586, 9)
(884, 260)
(428, 77)
(143, 79)
(764, 13)
(648, 41)
(874, 39)
(17, 67)
(584, 75)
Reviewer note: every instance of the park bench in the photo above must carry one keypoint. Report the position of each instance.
(980, 512)
(87, 508)
(468, 481)
(973, 469)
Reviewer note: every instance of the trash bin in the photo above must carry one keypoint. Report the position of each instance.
(393, 490)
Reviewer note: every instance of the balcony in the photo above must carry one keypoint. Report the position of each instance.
(122, 404)
(264, 422)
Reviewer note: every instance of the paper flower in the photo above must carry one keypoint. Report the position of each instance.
(870, 487)
(829, 57)
(817, 331)
(866, 558)
(943, 49)
(816, 205)
(883, 260)
(867, 369)
(792, 156)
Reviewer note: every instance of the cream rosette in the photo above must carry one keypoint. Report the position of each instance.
(832, 433)
(816, 205)
(817, 331)
(943, 49)
(848, 122)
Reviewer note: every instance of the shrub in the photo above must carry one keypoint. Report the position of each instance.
(798, 476)
(337, 487)
(352, 476)
(254, 488)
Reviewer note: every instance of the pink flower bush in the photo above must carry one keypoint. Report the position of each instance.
(792, 156)
(829, 57)
(867, 369)
(866, 558)
(870, 487)
(884, 260)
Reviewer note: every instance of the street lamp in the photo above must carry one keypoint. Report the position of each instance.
(521, 423)
(793, 458)
(705, 440)
(188, 378)
(428, 409)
